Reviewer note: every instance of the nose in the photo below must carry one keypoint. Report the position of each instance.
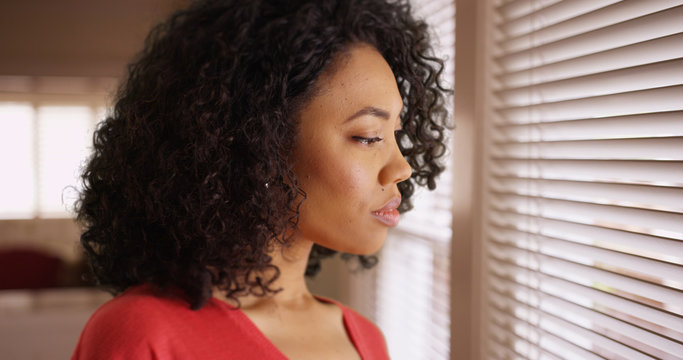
(396, 169)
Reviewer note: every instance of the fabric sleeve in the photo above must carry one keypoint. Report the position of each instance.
(112, 336)
(130, 328)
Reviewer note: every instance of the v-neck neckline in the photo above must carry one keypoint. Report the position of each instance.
(251, 327)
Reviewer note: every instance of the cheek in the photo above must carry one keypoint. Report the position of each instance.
(333, 174)
(354, 187)
(357, 179)
(340, 181)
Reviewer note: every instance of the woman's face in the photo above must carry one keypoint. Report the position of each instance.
(347, 159)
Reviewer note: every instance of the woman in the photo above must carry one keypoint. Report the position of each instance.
(250, 140)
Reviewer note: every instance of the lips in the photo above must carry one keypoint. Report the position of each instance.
(388, 215)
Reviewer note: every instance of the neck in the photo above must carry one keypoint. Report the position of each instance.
(292, 261)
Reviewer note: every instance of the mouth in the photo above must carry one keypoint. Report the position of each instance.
(388, 214)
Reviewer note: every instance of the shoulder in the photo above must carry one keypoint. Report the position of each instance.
(138, 309)
(367, 337)
(366, 328)
(133, 324)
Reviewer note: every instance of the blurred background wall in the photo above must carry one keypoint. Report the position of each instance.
(75, 37)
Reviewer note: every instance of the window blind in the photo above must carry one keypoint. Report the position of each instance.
(412, 286)
(584, 230)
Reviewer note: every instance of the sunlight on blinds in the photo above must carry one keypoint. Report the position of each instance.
(413, 297)
(585, 222)
(415, 270)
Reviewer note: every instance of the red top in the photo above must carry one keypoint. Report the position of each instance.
(141, 325)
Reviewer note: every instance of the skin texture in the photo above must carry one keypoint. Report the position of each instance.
(345, 171)
(345, 178)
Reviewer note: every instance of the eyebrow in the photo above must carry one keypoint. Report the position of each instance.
(369, 110)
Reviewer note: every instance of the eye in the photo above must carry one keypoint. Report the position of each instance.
(367, 140)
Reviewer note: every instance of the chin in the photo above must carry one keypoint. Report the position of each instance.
(370, 251)
(362, 245)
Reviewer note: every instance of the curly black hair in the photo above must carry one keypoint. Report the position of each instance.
(189, 184)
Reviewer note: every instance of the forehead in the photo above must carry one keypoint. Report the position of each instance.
(358, 78)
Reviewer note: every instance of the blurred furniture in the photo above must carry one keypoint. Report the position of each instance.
(29, 269)
(44, 324)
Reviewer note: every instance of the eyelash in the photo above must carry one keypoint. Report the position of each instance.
(372, 140)
(367, 141)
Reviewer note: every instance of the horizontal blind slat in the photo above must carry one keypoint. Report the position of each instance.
(431, 10)
(656, 248)
(645, 52)
(649, 222)
(634, 102)
(515, 335)
(639, 315)
(648, 76)
(517, 339)
(640, 29)
(609, 149)
(536, 306)
(424, 227)
(548, 16)
(660, 124)
(641, 268)
(592, 16)
(635, 196)
(615, 171)
(504, 263)
(517, 8)
(541, 345)
(588, 340)
(499, 346)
